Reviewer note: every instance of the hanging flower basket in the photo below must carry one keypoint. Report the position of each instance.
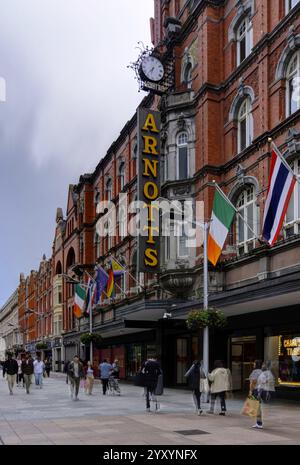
(87, 338)
(212, 318)
(216, 317)
(41, 346)
(197, 320)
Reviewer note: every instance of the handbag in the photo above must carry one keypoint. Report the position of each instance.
(204, 386)
(159, 390)
(250, 407)
(139, 379)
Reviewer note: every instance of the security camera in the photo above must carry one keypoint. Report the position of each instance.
(167, 315)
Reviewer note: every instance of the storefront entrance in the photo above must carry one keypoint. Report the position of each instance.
(243, 355)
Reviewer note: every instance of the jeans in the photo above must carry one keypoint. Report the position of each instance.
(11, 379)
(197, 398)
(104, 385)
(150, 393)
(38, 379)
(27, 379)
(20, 377)
(213, 400)
(263, 397)
(74, 384)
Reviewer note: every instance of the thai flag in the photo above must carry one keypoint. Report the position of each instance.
(281, 185)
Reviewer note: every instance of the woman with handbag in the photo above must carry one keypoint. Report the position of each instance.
(196, 377)
(262, 387)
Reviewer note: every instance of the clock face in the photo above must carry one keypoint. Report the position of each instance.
(153, 69)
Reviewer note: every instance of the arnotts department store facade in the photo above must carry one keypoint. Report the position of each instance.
(236, 66)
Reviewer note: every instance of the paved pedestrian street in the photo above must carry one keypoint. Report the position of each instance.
(49, 416)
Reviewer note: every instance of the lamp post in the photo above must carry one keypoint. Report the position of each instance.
(205, 227)
(74, 281)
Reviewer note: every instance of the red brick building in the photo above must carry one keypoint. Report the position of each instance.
(236, 70)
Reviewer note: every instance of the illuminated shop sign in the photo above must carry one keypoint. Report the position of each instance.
(148, 189)
(289, 360)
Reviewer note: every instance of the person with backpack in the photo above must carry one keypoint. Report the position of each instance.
(151, 371)
(195, 375)
(263, 389)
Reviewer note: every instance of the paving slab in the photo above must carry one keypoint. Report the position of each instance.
(49, 416)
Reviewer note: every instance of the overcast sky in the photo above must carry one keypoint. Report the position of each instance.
(69, 93)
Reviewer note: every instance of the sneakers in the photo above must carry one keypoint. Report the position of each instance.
(199, 412)
(222, 413)
(157, 407)
(256, 426)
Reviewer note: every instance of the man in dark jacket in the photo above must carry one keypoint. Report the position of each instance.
(10, 367)
(27, 370)
(75, 374)
(152, 370)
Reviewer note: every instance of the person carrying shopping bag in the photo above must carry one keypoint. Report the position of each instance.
(263, 390)
(195, 377)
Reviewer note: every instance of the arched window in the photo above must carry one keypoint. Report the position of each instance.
(292, 218)
(97, 245)
(244, 40)
(122, 175)
(109, 189)
(122, 223)
(109, 234)
(244, 125)
(293, 84)
(188, 75)
(289, 5)
(247, 209)
(182, 156)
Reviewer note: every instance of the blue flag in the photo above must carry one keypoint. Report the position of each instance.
(101, 282)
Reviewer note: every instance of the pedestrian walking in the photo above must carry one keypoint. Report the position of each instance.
(20, 377)
(116, 369)
(47, 367)
(89, 378)
(38, 368)
(220, 384)
(75, 374)
(105, 370)
(195, 377)
(151, 370)
(27, 370)
(262, 387)
(10, 369)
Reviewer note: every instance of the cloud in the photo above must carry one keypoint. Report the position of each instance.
(68, 95)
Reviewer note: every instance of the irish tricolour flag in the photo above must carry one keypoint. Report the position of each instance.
(80, 297)
(222, 216)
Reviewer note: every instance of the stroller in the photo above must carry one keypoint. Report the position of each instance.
(113, 387)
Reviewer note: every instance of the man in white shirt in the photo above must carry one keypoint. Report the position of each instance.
(39, 367)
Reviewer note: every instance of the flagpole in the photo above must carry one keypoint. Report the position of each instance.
(216, 185)
(129, 274)
(205, 299)
(280, 155)
(91, 328)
